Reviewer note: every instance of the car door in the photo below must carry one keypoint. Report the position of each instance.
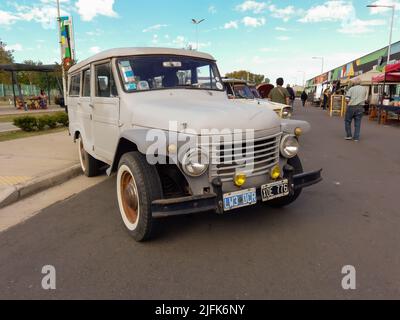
(106, 111)
(85, 109)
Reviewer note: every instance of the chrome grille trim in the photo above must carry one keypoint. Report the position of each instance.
(254, 157)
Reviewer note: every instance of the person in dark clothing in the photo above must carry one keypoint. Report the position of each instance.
(327, 98)
(304, 97)
(292, 95)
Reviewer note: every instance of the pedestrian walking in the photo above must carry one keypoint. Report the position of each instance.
(279, 94)
(304, 98)
(327, 99)
(292, 95)
(356, 98)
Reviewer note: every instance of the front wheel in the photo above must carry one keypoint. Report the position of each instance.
(285, 201)
(138, 185)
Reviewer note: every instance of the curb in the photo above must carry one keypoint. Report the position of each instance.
(39, 184)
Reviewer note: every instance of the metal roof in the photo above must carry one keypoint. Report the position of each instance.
(125, 52)
(27, 67)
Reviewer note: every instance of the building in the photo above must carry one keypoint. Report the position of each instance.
(373, 61)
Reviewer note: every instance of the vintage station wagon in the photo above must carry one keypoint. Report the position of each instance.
(161, 119)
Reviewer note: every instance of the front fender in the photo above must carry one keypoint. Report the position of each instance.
(289, 126)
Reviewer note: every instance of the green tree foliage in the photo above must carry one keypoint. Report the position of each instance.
(39, 78)
(6, 56)
(245, 75)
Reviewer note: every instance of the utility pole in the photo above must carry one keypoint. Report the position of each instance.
(64, 80)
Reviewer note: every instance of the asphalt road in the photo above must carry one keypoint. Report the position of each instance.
(351, 218)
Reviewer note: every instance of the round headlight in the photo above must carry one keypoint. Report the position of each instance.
(287, 113)
(289, 147)
(195, 162)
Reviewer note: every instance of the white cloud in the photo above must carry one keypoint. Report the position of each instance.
(15, 47)
(7, 18)
(341, 11)
(266, 49)
(285, 13)
(94, 50)
(358, 26)
(333, 10)
(212, 9)
(283, 38)
(231, 25)
(155, 27)
(89, 9)
(254, 6)
(395, 3)
(281, 29)
(253, 22)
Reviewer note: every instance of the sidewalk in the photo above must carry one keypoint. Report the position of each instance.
(33, 164)
(8, 127)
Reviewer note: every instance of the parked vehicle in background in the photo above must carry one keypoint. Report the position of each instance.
(161, 119)
(241, 92)
(264, 89)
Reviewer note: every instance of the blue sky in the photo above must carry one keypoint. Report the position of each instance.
(274, 38)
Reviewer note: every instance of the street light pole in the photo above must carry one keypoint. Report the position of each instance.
(64, 81)
(393, 7)
(196, 23)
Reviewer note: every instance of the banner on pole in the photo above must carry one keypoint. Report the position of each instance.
(67, 41)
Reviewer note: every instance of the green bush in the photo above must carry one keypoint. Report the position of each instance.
(26, 123)
(62, 119)
(29, 123)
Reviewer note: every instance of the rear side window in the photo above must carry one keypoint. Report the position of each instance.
(86, 83)
(105, 85)
(75, 87)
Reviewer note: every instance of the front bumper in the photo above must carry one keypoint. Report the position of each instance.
(213, 201)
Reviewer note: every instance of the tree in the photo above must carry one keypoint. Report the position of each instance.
(6, 56)
(246, 75)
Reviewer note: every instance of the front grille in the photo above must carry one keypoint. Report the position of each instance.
(252, 157)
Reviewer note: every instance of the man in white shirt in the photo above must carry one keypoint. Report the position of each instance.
(356, 98)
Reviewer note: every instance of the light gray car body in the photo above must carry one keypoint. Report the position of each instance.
(111, 126)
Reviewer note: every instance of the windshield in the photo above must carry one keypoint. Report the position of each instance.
(243, 92)
(168, 72)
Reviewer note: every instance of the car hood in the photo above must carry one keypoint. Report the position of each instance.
(261, 103)
(199, 110)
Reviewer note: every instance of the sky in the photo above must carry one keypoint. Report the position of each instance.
(273, 38)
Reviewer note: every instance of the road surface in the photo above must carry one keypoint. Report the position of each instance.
(351, 218)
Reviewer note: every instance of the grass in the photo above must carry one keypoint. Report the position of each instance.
(13, 135)
(10, 118)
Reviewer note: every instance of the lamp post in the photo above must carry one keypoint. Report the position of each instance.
(323, 62)
(393, 7)
(196, 23)
(64, 82)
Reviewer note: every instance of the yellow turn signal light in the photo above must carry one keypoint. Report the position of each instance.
(240, 179)
(298, 132)
(276, 173)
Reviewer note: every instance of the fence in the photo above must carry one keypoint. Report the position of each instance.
(27, 90)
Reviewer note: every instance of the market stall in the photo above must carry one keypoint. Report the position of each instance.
(387, 89)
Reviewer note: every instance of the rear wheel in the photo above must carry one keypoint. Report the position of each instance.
(90, 166)
(285, 201)
(138, 185)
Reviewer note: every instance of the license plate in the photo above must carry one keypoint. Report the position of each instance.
(240, 199)
(275, 190)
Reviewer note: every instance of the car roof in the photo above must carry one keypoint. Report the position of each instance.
(125, 52)
(231, 80)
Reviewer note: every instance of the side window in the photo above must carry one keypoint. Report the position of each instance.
(105, 85)
(75, 86)
(86, 83)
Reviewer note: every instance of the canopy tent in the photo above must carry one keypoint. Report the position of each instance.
(391, 77)
(18, 67)
(366, 78)
(391, 74)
